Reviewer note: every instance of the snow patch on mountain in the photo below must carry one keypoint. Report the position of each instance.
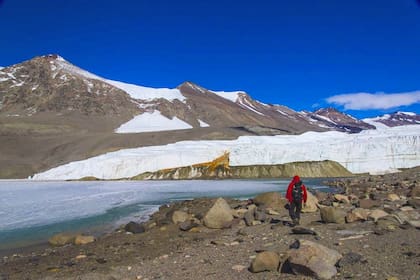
(148, 122)
(373, 151)
(61, 64)
(375, 123)
(135, 91)
(147, 93)
(247, 105)
(203, 124)
(229, 95)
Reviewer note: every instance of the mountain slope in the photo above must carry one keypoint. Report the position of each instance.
(395, 119)
(53, 112)
(50, 84)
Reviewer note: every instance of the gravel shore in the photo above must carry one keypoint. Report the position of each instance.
(372, 249)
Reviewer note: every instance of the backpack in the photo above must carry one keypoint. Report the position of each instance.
(297, 192)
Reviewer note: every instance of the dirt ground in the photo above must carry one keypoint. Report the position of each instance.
(166, 252)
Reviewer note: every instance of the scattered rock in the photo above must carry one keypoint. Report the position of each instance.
(333, 215)
(357, 214)
(187, 225)
(260, 216)
(377, 214)
(101, 260)
(62, 239)
(80, 257)
(342, 198)
(368, 203)
(302, 230)
(350, 259)
(134, 227)
(265, 261)
(219, 216)
(393, 197)
(238, 267)
(270, 211)
(312, 259)
(415, 202)
(311, 204)
(179, 216)
(239, 213)
(410, 217)
(415, 192)
(386, 224)
(84, 239)
(249, 217)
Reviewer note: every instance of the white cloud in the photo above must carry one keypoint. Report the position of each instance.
(368, 101)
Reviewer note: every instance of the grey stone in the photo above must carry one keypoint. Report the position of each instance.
(312, 259)
(273, 200)
(350, 259)
(219, 216)
(302, 230)
(249, 217)
(134, 227)
(333, 215)
(265, 261)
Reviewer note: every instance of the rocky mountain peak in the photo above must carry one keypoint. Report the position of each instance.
(331, 117)
(49, 83)
(397, 119)
(50, 57)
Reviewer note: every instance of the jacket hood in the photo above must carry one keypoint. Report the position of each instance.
(296, 179)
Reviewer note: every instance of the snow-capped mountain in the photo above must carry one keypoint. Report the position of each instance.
(53, 113)
(50, 84)
(332, 118)
(394, 119)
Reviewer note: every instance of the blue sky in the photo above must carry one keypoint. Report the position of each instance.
(362, 57)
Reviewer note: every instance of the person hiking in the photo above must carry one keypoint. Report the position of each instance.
(296, 193)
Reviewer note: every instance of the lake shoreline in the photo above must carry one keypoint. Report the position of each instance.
(386, 249)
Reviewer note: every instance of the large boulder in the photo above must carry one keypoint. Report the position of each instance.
(219, 216)
(273, 200)
(311, 204)
(315, 260)
(265, 261)
(61, 239)
(333, 215)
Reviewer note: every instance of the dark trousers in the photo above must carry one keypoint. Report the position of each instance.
(294, 209)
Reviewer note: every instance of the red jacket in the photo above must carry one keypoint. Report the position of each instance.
(290, 188)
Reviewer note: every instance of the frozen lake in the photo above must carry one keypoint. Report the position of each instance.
(31, 211)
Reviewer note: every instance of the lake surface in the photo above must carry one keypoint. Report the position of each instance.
(32, 211)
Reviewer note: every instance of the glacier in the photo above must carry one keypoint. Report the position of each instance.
(373, 151)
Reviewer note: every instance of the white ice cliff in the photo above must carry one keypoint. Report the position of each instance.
(373, 151)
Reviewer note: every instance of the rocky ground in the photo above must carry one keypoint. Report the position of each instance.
(369, 230)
